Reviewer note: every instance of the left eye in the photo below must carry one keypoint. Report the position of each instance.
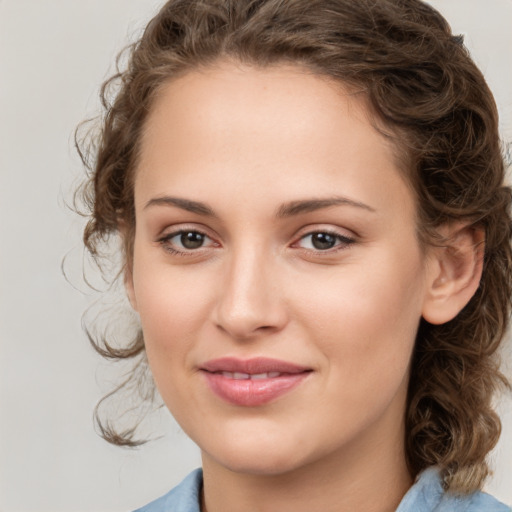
(323, 241)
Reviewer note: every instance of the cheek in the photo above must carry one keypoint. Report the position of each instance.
(366, 332)
(166, 294)
(170, 316)
(367, 324)
(172, 307)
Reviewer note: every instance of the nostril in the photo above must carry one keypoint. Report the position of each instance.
(246, 329)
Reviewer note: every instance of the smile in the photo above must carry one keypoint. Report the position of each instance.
(252, 382)
(245, 376)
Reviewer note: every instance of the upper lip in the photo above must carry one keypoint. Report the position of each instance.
(252, 366)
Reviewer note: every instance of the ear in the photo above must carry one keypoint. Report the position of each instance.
(454, 272)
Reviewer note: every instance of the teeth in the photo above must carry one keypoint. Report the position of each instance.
(247, 376)
(236, 375)
(268, 375)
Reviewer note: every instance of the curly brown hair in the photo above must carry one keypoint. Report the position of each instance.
(432, 100)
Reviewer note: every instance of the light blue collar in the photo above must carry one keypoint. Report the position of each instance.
(426, 495)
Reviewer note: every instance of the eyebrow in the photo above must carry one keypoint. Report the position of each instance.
(311, 205)
(286, 210)
(184, 204)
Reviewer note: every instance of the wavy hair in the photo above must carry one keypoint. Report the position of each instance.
(427, 93)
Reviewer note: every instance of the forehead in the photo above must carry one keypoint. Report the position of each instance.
(231, 98)
(278, 128)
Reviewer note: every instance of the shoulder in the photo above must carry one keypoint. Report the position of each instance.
(481, 501)
(183, 498)
(427, 495)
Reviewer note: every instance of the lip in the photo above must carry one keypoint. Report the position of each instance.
(246, 391)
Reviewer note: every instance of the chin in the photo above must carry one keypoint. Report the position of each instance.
(259, 456)
(262, 464)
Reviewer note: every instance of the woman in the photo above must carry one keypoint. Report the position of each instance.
(316, 237)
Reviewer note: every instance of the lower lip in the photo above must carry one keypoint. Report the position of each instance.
(252, 393)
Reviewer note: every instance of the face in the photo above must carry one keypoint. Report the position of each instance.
(276, 268)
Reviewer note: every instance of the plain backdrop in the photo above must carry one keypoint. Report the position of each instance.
(54, 54)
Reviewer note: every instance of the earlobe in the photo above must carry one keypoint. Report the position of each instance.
(454, 272)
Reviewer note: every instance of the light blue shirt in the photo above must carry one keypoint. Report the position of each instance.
(426, 495)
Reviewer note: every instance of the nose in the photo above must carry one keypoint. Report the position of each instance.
(251, 300)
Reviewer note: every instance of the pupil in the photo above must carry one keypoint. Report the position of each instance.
(323, 241)
(192, 240)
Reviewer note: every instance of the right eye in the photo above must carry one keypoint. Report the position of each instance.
(186, 241)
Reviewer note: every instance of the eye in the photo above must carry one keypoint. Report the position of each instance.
(185, 241)
(323, 241)
(189, 239)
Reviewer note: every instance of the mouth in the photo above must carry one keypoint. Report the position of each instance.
(252, 382)
(254, 376)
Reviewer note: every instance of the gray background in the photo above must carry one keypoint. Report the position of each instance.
(53, 56)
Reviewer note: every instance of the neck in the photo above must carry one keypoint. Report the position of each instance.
(369, 475)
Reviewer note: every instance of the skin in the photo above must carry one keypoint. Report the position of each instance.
(245, 143)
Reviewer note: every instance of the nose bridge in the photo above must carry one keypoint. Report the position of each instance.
(249, 300)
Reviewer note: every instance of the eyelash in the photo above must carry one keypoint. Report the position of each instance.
(165, 242)
(342, 242)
